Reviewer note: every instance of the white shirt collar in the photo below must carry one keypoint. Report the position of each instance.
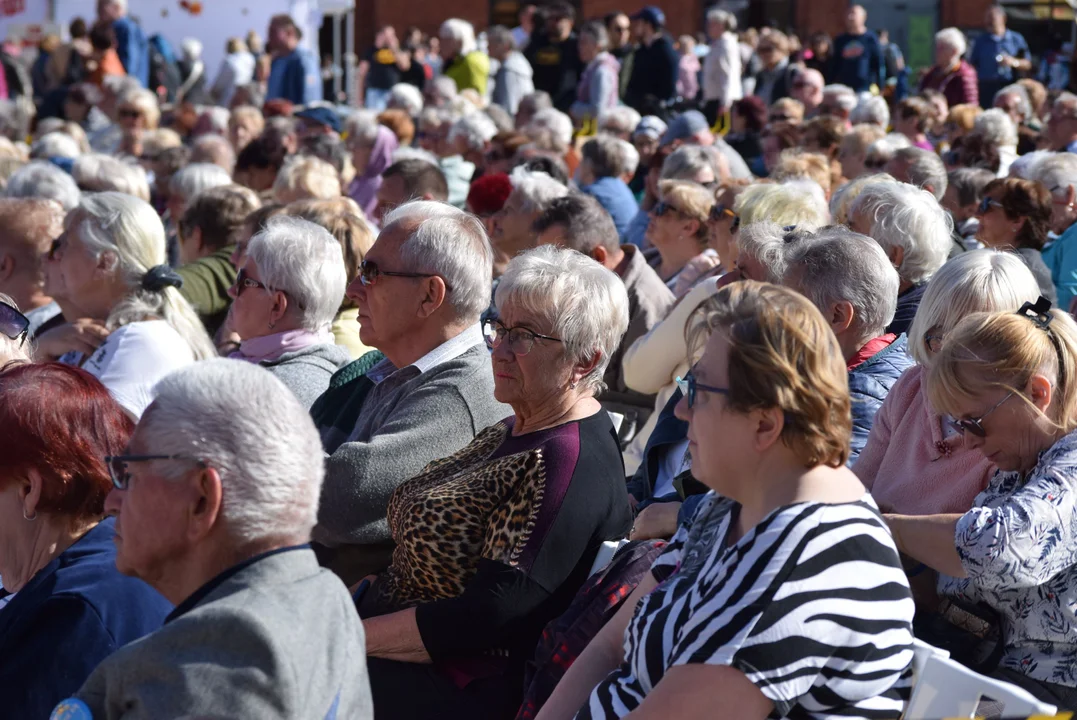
(451, 349)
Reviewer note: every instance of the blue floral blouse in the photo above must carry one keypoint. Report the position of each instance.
(1018, 546)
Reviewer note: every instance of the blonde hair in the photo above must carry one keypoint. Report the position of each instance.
(250, 116)
(783, 204)
(309, 177)
(964, 116)
(146, 103)
(690, 199)
(860, 138)
(842, 201)
(797, 163)
(1003, 350)
(792, 108)
(782, 354)
(159, 140)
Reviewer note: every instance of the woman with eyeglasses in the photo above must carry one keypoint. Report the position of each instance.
(1015, 215)
(786, 546)
(63, 606)
(1010, 381)
(493, 542)
(285, 298)
(678, 228)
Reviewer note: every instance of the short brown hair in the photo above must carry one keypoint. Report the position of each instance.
(795, 163)
(340, 216)
(1024, 199)
(782, 354)
(918, 108)
(828, 131)
(219, 213)
(400, 123)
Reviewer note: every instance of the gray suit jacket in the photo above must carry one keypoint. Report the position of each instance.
(279, 638)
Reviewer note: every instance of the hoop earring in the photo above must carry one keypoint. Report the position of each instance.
(28, 519)
(272, 325)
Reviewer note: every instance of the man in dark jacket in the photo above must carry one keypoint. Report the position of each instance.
(857, 60)
(554, 56)
(653, 83)
(852, 282)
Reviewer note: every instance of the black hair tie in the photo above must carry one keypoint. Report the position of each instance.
(1038, 312)
(160, 277)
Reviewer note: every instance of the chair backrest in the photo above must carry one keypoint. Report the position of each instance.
(605, 554)
(947, 689)
(921, 651)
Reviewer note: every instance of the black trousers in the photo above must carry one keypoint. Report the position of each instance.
(410, 691)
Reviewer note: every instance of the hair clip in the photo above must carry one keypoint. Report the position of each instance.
(1038, 312)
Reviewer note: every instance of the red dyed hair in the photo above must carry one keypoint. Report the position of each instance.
(489, 193)
(62, 422)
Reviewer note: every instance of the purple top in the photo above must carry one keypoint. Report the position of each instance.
(364, 188)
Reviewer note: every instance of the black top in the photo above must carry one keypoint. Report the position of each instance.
(907, 304)
(654, 76)
(383, 73)
(557, 68)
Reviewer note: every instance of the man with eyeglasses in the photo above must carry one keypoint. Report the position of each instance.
(420, 291)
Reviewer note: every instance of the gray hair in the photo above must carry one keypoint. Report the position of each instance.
(500, 35)
(192, 48)
(771, 245)
(42, 179)
(976, 281)
(362, 126)
(871, 110)
(303, 260)
(924, 168)
(443, 88)
(598, 33)
(462, 32)
(1027, 166)
(554, 122)
(193, 179)
(445, 241)
(728, 19)
(1023, 99)
(691, 162)
(906, 217)
(535, 190)
(55, 144)
(604, 155)
(501, 118)
(839, 265)
(586, 304)
(535, 102)
(954, 39)
(798, 202)
(996, 127)
(130, 232)
(406, 97)
(620, 119)
(585, 223)
(629, 155)
(245, 424)
(1057, 172)
(101, 173)
(477, 129)
(969, 183)
(843, 94)
(414, 153)
(214, 149)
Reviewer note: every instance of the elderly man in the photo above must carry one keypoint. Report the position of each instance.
(921, 168)
(839, 101)
(27, 230)
(214, 504)
(532, 193)
(580, 223)
(997, 53)
(857, 57)
(407, 180)
(808, 89)
(1062, 124)
(852, 282)
(420, 292)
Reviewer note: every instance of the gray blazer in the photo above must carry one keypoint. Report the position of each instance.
(279, 638)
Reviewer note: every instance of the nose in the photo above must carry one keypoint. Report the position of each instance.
(973, 441)
(356, 291)
(114, 502)
(681, 410)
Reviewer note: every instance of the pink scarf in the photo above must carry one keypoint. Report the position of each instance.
(270, 347)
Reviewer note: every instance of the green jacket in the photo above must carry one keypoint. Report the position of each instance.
(337, 410)
(205, 285)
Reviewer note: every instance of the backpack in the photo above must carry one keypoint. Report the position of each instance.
(164, 70)
(565, 637)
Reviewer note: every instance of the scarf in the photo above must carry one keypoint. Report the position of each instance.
(270, 347)
(364, 188)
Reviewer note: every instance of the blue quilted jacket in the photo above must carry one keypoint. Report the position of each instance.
(869, 383)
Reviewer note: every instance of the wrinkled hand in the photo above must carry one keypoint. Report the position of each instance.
(696, 268)
(656, 522)
(84, 335)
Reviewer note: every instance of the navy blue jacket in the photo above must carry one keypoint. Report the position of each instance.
(72, 614)
(869, 383)
(857, 61)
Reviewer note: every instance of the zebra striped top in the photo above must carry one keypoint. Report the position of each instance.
(811, 605)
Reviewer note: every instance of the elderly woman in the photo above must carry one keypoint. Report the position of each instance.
(188, 182)
(768, 413)
(1008, 379)
(245, 124)
(372, 146)
(65, 608)
(14, 329)
(305, 177)
(285, 299)
(1059, 174)
(678, 228)
(597, 91)
(913, 120)
(950, 74)
(454, 619)
(464, 62)
(107, 272)
(1016, 215)
(995, 128)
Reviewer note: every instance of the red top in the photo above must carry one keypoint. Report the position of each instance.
(959, 86)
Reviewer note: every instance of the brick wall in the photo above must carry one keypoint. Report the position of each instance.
(822, 15)
(964, 13)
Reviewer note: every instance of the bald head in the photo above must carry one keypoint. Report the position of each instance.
(856, 20)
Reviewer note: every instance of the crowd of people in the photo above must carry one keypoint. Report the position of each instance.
(320, 411)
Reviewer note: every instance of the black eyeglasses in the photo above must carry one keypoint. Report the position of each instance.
(121, 477)
(129, 113)
(689, 387)
(986, 204)
(369, 272)
(13, 323)
(719, 212)
(521, 339)
(245, 281)
(975, 425)
(664, 208)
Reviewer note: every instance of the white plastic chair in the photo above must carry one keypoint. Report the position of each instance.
(921, 651)
(605, 554)
(947, 689)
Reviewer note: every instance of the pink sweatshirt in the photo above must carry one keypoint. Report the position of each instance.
(905, 464)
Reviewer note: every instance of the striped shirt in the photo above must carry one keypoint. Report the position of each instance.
(811, 605)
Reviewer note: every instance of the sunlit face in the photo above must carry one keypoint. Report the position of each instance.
(997, 230)
(512, 232)
(945, 55)
(130, 118)
(537, 378)
(1011, 441)
(72, 269)
(252, 306)
(1010, 103)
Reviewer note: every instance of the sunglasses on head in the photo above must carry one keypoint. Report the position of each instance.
(719, 212)
(986, 204)
(13, 324)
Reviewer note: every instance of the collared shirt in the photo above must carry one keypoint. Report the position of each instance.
(449, 350)
(987, 48)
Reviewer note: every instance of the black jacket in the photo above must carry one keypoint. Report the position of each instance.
(654, 76)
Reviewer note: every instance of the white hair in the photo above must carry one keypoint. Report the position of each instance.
(443, 88)
(843, 94)
(976, 281)
(413, 153)
(55, 144)
(476, 129)
(361, 126)
(192, 48)
(1057, 171)
(767, 242)
(245, 424)
(620, 119)
(800, 202)
(462, 32)
(215, 149)
(954, 39)
(629, 155)
(130, 232)
(304, 261)
(218, 119)
(448, 242)
(534, 190)
(996, 127)
(924, 168)
(406, 97)
(193, 179)
(1023, 99)
(554, 122)
(871, 110)
(94, 172)
(120, 5)
(692, 162)
(904, 216)
(42, 179)
(586, 304)
(726, 18)
(1031, 165)
(143, 100)
(840, 265)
